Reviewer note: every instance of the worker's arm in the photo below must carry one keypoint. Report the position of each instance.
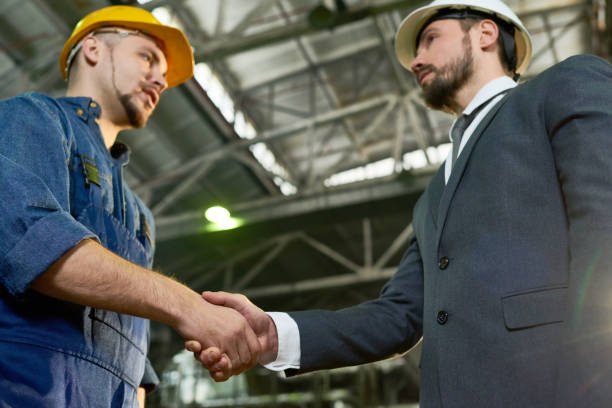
(91, 275)
(43, 247)
(142, 395)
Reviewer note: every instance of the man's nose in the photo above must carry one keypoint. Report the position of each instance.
(417, 62)
(159, 79)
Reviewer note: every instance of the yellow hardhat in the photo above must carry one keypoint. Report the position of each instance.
(176, 46)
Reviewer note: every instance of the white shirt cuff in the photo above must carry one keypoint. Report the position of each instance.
(289, 351)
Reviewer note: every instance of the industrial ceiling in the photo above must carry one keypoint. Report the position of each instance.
(299, 121)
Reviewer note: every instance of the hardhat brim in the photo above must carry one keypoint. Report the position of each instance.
(176, 48)
(410, 28)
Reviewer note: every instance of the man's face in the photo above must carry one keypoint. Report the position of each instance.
(444, 62)
(138, 76)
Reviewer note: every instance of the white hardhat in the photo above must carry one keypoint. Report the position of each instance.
(407, 34)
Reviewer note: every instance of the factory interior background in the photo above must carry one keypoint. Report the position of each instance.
(301, 123)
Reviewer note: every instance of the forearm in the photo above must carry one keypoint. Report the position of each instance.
(370, 331)
(91, 275)
(142, 396)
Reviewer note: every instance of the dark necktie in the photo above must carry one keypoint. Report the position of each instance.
(462, 123)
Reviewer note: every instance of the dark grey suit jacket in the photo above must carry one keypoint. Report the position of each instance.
(507, 279)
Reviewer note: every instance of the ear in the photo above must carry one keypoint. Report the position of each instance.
(489, 32)
(91, 50)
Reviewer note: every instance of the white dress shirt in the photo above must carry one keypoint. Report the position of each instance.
(495, 87)
(289, 351)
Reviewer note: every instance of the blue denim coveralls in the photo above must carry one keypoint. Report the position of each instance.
(60, 185)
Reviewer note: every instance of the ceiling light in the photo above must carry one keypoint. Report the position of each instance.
(217, 214)
(220, 219)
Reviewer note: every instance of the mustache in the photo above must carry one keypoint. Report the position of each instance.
(152, 90)
(147, 86)
(426, 68)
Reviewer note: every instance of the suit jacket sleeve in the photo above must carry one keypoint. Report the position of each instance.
(579, 120)
(370, 331)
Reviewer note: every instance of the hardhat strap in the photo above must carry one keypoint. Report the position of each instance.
(509, 44)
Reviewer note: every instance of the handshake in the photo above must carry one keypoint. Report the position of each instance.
(238, 336)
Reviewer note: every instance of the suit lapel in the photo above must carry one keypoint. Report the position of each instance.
(458, 169)
(434, 193)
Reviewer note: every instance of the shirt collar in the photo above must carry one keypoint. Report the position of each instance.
(488, 91)
(84, 107)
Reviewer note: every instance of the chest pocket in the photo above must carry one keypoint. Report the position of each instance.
(91, 184)
(100, 203)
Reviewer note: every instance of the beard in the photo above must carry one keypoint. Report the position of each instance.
(440, 93)
(135, 116)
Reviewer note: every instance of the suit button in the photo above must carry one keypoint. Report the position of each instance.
(442, 317)
(443, 263)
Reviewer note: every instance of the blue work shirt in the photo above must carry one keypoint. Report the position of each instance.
(59, 186)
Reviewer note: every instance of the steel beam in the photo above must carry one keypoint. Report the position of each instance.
(398, 243)
(331, 116)
(221, 7)
(294, 288)
(286, 399)
(396, 153)
(264, 176)
(417, 130)
(563, 31)
(183, 188)
(398, 72)
(260, 8)
(223, 47)
(551, 37)
(344, 55)
(600, 23)
(330, 253)
(258, 267)
(215, 154)
(271, 106)
(367, 243)
(328, 91)
(382, 115)
(529, 9)
(189, 223)
(198, 277)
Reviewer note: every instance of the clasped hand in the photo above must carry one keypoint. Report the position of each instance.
(216, 360)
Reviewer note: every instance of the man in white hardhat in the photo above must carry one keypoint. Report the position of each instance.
(76, 243)
(516, 41)
(506, 277)
(512, 47)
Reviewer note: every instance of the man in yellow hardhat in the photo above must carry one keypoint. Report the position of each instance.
(507, 277)
(76, 243)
